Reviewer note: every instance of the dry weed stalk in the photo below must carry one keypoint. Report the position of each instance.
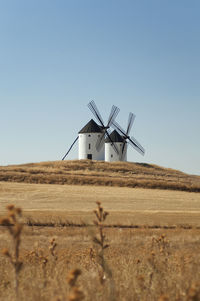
(39, 257)
(162, 244)
(76, 294)
(100, 241)
(158, 264)
(54, 262)
(52, 248)
(14, 226)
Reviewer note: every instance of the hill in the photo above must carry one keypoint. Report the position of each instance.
(87, 172)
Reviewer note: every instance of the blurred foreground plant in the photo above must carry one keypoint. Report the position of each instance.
(14, 226)
(76, 294)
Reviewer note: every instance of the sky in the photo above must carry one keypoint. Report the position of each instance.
(141, 55)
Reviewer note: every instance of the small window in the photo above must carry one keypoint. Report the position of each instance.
(111, 156)
(89, 146)
(89, 135)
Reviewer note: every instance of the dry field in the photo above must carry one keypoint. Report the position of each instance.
(87, 172)
(139, 264)
(56, 204)
(153, 235)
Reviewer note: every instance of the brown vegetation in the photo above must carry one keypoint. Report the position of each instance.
(73, 204)
(87, 172)
(146, 265)
(12, 222)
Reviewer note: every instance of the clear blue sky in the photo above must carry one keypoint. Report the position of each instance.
(141, 55)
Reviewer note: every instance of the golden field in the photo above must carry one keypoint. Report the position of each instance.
(55, 204)
(151, 236)
(143, 264)
(87, 172)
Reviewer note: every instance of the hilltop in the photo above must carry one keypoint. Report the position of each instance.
(87, 172)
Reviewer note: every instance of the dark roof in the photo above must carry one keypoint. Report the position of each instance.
(91, 127)
(115, 136)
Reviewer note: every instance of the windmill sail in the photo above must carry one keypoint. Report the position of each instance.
(113, 114)
(132, 141)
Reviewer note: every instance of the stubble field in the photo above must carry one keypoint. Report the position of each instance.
(153, 252)
(147, 248)
(47, 203)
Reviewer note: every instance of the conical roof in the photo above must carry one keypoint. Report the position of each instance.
(115, 136)
(91, 127)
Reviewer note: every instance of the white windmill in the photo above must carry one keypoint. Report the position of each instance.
(92, 136)
(89, 135)
(114, 153)
(120, 142)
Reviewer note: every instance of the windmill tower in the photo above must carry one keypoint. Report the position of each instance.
(111, 153)
(88, 136)
(92, 136)
(117, 151)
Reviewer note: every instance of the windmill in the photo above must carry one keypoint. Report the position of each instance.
(121, 144)
(92, 136)
(105, 128)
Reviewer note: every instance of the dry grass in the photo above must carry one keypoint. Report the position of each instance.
(146, 264)
(87, 172)
(57, 204)
(12, 222)
(132, 264)
(156, 258)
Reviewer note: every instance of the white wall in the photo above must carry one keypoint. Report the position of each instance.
(111, 155)
(87, 145)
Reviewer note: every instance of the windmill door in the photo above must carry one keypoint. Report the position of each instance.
(89, 156)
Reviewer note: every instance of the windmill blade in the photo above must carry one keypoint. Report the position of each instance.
(113, 114)
(115, 148)
(138, 144)
(108, 131)
(131, 118)
(135, 144)
(123, 146)
(123, 151)
(123, 156)
(100, 141)
(93, 108)
(112, 143)
(118, 128)
(70, 148)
